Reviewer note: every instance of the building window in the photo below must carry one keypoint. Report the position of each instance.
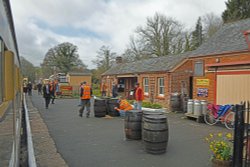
(1, 70)
(145, 86)
(161, 86)
(199, 68)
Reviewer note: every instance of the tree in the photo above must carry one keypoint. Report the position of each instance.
(236, 10)
(28, 69)
(62, 58)
(187, 42)
(160, 37)
(197, 36)
(211, 23)
(105, 60)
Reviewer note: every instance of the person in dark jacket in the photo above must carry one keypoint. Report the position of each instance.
(39, 88)
(114, 90)
(46, 93)
(29, 86)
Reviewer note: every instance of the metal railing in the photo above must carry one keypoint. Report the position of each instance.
(30, 148)
(241, 152)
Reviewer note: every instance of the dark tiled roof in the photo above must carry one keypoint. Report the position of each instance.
(165, 63)
(229, 38)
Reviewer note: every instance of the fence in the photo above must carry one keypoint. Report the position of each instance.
(241, 152)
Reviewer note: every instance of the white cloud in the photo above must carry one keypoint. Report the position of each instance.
(112, 22)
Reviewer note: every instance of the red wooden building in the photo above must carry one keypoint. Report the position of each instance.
(218, 71)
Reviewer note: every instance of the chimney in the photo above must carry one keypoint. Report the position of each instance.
(247, 37)
(118, 60)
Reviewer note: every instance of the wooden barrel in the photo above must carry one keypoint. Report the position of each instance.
(146, 113)
(111, 104)
(132, 124)
(155, 134)
(100, 108)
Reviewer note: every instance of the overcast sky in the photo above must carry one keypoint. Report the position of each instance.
(89, 24)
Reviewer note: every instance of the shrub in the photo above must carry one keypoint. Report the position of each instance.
(151, 105)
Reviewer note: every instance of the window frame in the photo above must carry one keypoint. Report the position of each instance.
(198, 72)
(161, 94)
(146, 85)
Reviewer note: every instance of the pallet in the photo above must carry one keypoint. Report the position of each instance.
(199, 118)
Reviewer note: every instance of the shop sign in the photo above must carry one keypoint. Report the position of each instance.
(202, 82)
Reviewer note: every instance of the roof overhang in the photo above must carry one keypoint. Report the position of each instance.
(228, 64)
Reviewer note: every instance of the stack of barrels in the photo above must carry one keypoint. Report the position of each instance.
(103, 106)
(151, 127)
(111, 104)
(100, 107)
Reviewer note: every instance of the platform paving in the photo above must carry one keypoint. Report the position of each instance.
(100, 142)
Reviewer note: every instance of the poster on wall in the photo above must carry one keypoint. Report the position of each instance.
(202, 82)
(202, 92)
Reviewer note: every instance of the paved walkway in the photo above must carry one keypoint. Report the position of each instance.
(6, 138)
(61, 138)
(99, 142)
(46, 153)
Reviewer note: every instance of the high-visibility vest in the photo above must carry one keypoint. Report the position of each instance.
(124, 105)
(86, 92)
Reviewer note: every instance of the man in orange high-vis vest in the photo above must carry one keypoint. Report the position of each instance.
(85, 94)
(123, 106)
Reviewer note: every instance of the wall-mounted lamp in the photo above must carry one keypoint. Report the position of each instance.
(217, 60)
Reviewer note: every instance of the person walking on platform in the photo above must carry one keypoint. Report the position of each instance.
(46, 93)
(29, 88)
(52, 91)
(39, 88)
(85, 94)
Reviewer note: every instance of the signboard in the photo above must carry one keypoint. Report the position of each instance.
(66, 90)
(202, 82)
(202, 92)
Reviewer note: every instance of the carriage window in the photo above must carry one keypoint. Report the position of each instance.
(1, 70)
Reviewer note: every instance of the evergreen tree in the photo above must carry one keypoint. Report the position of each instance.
(197, 36)
(236, 10)
(187, 43)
